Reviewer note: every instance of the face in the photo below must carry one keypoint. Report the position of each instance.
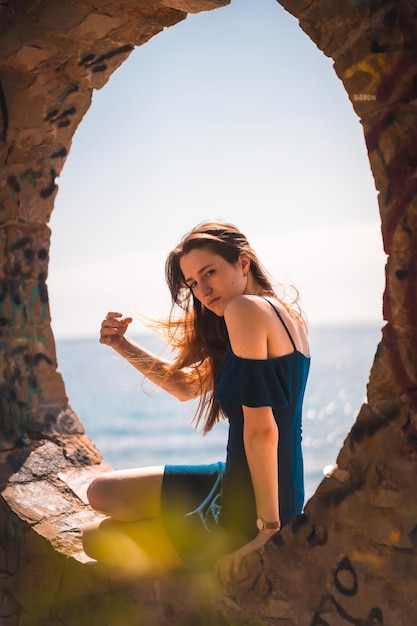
(213, 280)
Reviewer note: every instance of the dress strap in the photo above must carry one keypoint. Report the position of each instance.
(282, 321)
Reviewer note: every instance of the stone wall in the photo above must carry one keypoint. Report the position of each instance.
(351, 557)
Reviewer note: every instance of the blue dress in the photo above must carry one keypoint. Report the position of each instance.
(209, 510)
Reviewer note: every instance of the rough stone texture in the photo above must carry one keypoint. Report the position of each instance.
(351, 558)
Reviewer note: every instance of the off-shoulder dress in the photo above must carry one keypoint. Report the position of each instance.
(209, 510)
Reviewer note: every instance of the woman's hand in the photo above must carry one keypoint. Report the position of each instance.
(113, 329)
(228, 565)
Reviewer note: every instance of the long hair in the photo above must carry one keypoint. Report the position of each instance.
(198, 336)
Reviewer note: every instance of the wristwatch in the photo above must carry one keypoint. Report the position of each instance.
(262, 524)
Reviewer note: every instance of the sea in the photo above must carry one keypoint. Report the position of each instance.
(134, 423)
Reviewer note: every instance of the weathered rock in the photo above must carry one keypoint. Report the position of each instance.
(351, 558)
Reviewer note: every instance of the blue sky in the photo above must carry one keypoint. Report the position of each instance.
(232, 113)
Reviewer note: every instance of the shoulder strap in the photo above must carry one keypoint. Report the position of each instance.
(282, 322)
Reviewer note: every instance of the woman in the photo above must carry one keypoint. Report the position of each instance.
(244, 353)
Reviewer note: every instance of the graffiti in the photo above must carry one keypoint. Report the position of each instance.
(99, 64)
(33, 178)
(389, 80)
(38, 292)
(364, 97)
(26, 367)
(71, 88)
(19, 398)
(59, 154)
(317, 537)
(23, 302)
(386, 64)
(350, 585)
(397, 36)
(367, 67)
(40, 179)
(4, 115)
(25, 260)
(48, 191)
(369, 426)
(60, 119)
(345, 581)
(14, 185)
(13, 414)
(20, 394)
(403, 187)
(22, 243)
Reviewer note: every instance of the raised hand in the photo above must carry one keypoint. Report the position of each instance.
(113, 328)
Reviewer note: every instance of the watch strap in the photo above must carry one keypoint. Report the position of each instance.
(263, 524)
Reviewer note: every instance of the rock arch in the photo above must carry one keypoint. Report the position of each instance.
(351, 557)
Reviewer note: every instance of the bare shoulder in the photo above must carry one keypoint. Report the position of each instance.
(244, 317)
(256, 331)
(244, 305)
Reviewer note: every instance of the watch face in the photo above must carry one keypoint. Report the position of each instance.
(260, 523)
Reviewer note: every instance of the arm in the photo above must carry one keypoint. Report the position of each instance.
(248, 337)
(260, 436)
(181, 383)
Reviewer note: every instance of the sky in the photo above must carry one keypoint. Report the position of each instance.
(232, 113)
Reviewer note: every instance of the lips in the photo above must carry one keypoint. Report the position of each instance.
(213, 301)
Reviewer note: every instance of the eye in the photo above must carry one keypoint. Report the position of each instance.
(192, 285)
(209, 273)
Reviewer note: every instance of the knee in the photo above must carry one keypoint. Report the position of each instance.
(98, 494)
(95, 538)
(89, 539)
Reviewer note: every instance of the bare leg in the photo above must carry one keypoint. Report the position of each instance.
(132, 538)
(128, 495)
(138, 548)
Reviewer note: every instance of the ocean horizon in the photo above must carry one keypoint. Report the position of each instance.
(134, 423)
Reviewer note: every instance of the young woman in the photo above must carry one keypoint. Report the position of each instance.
(243, 351)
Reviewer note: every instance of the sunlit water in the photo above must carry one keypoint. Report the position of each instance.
(135, 424)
